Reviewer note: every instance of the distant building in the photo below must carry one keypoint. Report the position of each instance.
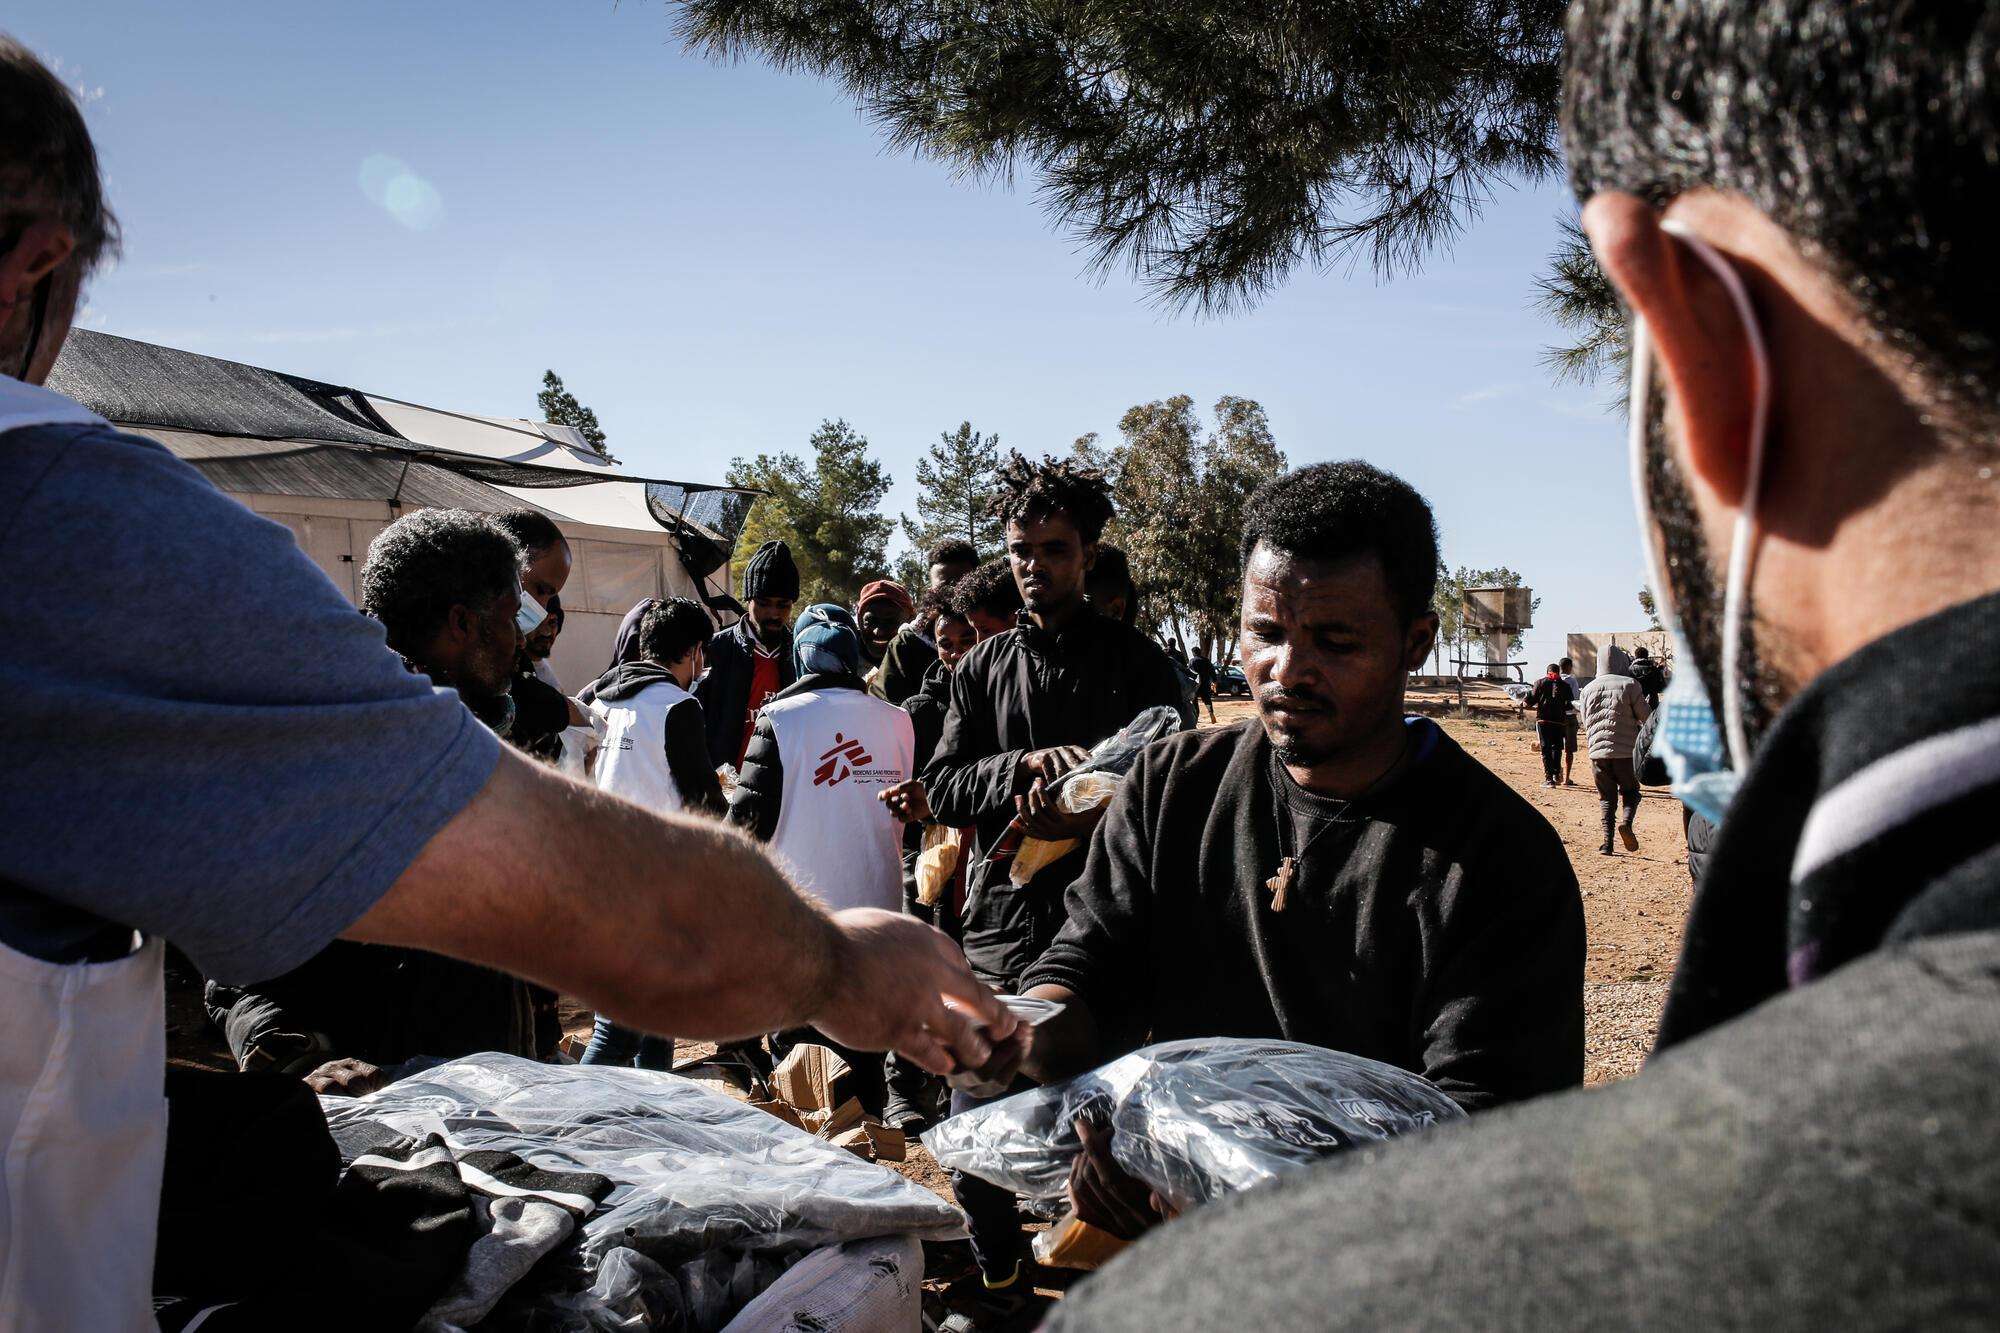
(1610, 653)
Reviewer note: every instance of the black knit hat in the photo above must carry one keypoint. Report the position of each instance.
(769, 572)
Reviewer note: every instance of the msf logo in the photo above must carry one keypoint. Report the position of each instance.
(840, 761)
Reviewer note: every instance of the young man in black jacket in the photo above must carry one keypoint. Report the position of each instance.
(1784, 194)
(1025, 706)
(1330, 872)
(752, 659)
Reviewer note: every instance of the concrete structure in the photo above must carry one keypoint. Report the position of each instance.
(1611, 651)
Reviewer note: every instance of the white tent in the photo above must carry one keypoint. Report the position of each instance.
(337, 466)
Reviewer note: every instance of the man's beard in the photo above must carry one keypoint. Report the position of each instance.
(1697, 602)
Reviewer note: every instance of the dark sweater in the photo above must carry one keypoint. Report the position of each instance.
(1809, 1147)
(1029, 689)
(904, 662)
(1436, 926)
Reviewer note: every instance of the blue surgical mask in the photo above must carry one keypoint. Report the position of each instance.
(531, 615)
(1705, 758)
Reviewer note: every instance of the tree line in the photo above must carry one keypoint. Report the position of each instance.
(1180, 485)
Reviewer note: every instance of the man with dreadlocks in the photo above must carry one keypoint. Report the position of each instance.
(1025, 706)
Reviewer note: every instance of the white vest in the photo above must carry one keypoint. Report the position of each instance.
(632, 762)
(840, 749)
(83, 1110)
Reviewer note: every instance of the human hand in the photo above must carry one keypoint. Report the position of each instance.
(908, 801)
(1002, 1068)
(1102, 1194)
(1043, 818)
(1048, 764)
(346, 1078)
(903, 986)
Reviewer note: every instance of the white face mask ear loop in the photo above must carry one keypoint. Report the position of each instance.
(1636, 431)
(1743, 542)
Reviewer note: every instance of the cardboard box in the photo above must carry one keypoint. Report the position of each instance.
(889, 1144)
(811, 1078)
(782, 1112)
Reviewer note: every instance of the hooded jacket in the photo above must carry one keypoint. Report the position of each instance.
(1613, 709)
(724, 689)
(1029, 689)
(655, 749)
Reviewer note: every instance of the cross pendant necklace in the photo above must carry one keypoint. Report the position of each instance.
(1280, 884)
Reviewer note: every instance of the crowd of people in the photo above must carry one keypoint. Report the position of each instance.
(719, 838)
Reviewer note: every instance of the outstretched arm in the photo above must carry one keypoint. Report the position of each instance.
(674, 925)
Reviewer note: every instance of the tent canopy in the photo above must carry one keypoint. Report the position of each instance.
(309, 422)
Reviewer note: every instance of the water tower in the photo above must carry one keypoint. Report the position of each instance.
(1495, 616)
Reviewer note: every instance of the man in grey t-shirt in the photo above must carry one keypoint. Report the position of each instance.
(204, 743)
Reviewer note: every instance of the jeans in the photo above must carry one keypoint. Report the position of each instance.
(1615, 778)
(1551, 735)
(626, 1047)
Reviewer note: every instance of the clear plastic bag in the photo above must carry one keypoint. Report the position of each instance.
(696, 1171)
(1194, 1119)
(1092, 783)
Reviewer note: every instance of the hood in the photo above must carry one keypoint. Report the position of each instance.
(628, 678)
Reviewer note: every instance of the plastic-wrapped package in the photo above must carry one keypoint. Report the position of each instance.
(696, 1171)
(1194, 1119)
(1090, 784)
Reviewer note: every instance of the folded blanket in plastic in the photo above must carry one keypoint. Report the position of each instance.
(709, 1201)
(1194, 1119)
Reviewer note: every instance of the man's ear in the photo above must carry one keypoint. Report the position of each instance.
(461, 624)
(1701, 351)
(42, 248)
(1419, 639)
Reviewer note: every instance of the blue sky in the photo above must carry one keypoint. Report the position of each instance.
(437, 201)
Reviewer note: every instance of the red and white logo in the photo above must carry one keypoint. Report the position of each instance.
(838, 763)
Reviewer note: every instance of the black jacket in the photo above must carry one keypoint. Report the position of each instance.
(686, 736)
(724, 689)
(1435, 924)
(1029, 689)
(928, 707)
(760, 784)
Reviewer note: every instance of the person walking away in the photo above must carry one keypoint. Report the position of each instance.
(822, 751)
(1652, 680)
(752, 659)
(1614, 708)
(1549, 701)
(1204, 680)
(1574, 723)
(654, 754)
(206, 745)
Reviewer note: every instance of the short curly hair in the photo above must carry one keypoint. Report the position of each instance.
(1077, 491)
(989, 588)
(1331, 511)
(425, 563)
(953, 551)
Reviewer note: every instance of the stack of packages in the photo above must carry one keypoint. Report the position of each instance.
(703, 1213)
(1193, 1120)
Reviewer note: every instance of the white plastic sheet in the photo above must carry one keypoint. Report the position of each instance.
(696, 1171)
(1194, 1119)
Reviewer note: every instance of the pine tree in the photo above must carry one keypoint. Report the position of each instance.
(955, 488)
(560, 406)
(1210, 147)
(828, 510)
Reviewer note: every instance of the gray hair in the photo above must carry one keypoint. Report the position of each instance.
(48, 167)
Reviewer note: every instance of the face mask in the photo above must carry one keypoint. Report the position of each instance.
(530, 617)
(1705, 771)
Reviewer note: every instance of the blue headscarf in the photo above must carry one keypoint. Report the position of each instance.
(824, 640)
